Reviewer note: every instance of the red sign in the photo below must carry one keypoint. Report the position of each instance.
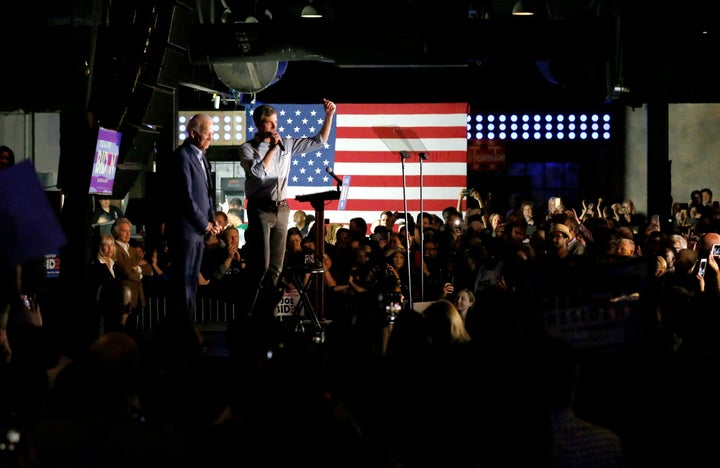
(486, 155)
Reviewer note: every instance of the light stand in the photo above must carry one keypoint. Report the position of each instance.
(403, 156)
(423, 157)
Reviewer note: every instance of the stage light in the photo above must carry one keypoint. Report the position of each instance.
(522, 8)
(309, 11)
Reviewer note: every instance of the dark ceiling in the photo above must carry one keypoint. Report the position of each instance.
(573, 52)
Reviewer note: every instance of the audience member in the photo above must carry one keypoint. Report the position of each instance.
(235, 217)
(114, 302)
(226, 269)
(387, 219)
(575, 441)
(213, 240)
(102, 267)
(300, 220)
(130, 267)
(238, 208)
(464, 302)
(7, 157)
(106, 211)
(95, 413)
(405, 392)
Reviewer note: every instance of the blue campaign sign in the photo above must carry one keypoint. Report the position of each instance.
(342, 203)
(52, 265)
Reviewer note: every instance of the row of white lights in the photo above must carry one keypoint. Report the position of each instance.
(539, 127)
(229, 127)
(524, 127)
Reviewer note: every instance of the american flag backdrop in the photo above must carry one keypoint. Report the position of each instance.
(366, 143)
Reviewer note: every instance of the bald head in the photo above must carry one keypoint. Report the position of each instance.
(710, 239)
(685, 260)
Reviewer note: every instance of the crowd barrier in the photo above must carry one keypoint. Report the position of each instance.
(209, 311)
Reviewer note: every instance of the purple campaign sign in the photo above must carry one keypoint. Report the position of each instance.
(105, 163)
(29, 227)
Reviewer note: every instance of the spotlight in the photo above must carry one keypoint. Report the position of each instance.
(309, 11)
(523, 8)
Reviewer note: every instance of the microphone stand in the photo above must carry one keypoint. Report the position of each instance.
(423, 156)
(403, 156)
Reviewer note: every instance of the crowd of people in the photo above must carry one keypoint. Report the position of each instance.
(457, 340)
(467, 342)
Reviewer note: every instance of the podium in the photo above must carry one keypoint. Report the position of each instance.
(317, 201)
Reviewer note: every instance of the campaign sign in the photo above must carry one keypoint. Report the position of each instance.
(105, 163)
(344, 193)
(290, 299)
(52, 265)
(596, 325)
(29, 226)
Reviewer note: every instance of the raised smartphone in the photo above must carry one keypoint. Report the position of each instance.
(701, 268)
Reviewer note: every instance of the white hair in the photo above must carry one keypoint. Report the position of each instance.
(679, 240)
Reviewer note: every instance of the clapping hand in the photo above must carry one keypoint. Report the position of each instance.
(214, 228)
(233, 253)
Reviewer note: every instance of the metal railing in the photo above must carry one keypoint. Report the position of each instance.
(210, 310)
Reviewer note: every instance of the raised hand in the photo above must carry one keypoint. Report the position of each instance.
(330, 107)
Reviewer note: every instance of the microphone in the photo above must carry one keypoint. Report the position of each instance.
(330, 171)
(280, 144)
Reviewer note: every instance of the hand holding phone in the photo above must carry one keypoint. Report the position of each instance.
(702, 267)
(715, 252)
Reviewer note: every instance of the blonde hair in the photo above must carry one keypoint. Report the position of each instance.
(331, 231)
(661, 266)
(107, 239)
(445, 324)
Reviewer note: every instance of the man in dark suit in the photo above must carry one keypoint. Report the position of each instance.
(191, 213)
